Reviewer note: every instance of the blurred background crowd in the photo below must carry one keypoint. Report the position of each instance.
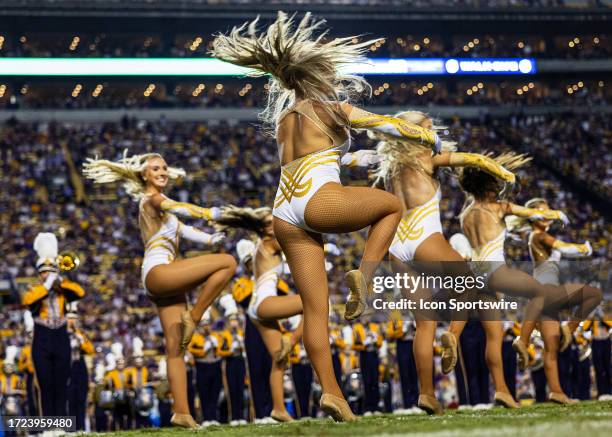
(234, 162)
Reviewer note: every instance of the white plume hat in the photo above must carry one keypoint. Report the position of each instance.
(99, 372)
(117, 350)
(45, 245)
(228, 304)
(245, 249)
(10, 356)
(111, 361)
(162, 368)
(206, 317)
(137, 346)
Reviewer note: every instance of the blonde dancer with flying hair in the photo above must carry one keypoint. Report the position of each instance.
(167, 279)
(408, 170)
(545, 252)
(266, 307)
(309, 112)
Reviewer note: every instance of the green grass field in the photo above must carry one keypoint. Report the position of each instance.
(587, 419)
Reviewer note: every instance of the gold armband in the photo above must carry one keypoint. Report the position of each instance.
(186, 209)
(396, 127)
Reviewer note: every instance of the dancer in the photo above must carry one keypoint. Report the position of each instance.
(408, 170)
(166, 279)
(309, 112)
(482, 220)
(545, 251)
(266, 307)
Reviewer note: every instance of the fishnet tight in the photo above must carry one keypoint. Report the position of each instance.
(333, 209)
(336, 209)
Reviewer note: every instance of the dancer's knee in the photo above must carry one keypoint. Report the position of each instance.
(173, 347)
(229, 263)
(551, 343)
(593, 294)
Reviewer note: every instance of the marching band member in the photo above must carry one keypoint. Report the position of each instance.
(511, 331)
(266, 307)
(102, 394)
(164, 394)
(26, 365)
(137, 380)
(338, 346)
(166, 279)
(309, 111)
(536, 367)
(51, 344)
(12, 387)
(79, 377)
(301, 374)
(582, 366)
(601, 329)
(259, 364)
(116, 381)
(191, 385)
(205, 347)
(367, 340)
(402, 332)
(234, 370)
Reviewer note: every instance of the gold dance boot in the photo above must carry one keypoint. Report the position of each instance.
(449, 351)
(506, 400)
(281, 356)
(358, 290)
(281, 416)
(183, 420)
(561, 398)
(430, 405)
(523, 355)
(566, 337)
(188, 327)
(337, 408)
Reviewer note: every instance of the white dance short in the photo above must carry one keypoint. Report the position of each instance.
(416, 226)
(301, 179)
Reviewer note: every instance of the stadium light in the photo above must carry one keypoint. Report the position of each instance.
(147, 67)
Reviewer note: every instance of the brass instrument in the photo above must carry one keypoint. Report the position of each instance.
(68, 261)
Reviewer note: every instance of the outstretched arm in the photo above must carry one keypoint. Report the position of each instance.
(197, 236)
(360, 158)
(184, 209)
(460, 159)
(567, 249)
(537, 214)
(393, 126)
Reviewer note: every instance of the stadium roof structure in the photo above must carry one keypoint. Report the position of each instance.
(499, 10)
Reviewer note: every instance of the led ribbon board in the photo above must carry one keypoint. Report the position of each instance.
(213, 67)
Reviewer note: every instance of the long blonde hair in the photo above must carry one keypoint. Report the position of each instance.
(128, 170)
(299, 61)
(402, 153)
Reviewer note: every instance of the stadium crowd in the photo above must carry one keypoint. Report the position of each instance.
(153, 45)
(386, 92)
(41, 194)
